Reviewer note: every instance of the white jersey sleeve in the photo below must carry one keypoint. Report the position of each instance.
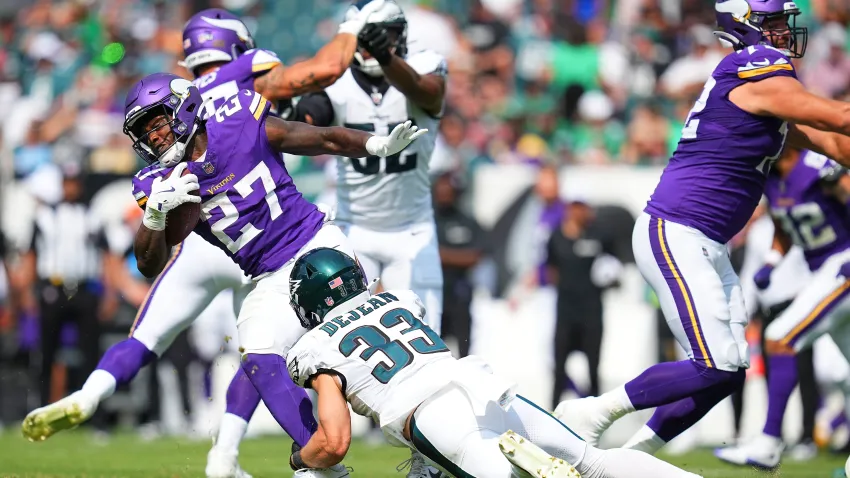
(428, 62)
(301, 363)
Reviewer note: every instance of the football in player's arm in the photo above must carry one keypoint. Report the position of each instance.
(150, 246)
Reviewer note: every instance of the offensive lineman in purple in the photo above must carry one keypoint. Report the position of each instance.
(750, 107)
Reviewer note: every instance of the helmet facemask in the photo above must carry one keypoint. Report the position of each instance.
(780, 30)
(143, 124)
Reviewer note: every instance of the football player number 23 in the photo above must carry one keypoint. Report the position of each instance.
(396, 354)
(397, 163)
(230, 214)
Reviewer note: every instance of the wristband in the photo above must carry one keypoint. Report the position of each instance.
(773, 257)
(295, 461)
(373, 144)
(154, 220)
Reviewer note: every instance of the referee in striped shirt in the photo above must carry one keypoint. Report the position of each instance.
(65, 265)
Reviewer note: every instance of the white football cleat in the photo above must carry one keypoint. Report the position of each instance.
(419, 467)
(763, 451)
(586, 417)
(70, 412)
(224, 464)
(336, 471)
(532, 459)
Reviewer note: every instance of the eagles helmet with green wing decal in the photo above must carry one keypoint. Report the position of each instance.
(321, 280)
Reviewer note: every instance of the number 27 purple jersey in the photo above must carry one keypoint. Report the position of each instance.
(250, 207)
(716, 177)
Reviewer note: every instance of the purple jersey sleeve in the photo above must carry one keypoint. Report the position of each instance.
(240, 121)
(757, 63)
(252, 64)
(143, 181)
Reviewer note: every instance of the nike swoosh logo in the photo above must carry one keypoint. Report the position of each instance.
(169, 190)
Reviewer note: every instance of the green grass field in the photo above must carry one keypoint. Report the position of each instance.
(77, 455)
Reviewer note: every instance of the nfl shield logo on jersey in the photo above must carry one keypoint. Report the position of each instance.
(208, 167)
(329, 301)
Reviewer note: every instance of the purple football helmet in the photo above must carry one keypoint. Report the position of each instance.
(744, 23)
(162, 94)
(214, 35)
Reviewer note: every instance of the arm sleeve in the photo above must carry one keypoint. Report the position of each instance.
(300, 363)
(318, 106)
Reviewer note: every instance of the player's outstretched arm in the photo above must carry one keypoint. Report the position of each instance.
(833, 145)
(818, 123)
(328, 446)
(786, 98)
(321, 71)
(300, 138)
(425, 91)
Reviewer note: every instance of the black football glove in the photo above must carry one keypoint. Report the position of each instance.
(374, 39)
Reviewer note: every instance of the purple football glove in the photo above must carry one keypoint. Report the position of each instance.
(762, 277)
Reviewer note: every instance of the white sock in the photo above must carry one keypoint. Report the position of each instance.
(617, 402)
(100, 385)
(622, 463)
(645, 440)
(230, 432)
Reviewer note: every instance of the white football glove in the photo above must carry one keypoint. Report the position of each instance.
(167, 194)
(357, 23)
(401, 136)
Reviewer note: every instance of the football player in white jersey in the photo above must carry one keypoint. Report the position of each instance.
(384, 204)
(375, 353)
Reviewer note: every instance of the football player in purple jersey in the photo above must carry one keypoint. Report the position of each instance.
(750, 106)
(221, 53)
(250, 210)
(808, 196)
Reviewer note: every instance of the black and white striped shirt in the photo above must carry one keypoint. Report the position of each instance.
(68, 242)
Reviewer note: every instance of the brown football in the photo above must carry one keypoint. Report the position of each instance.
(181, 220)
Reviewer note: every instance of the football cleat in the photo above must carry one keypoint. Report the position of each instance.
(584, 416)
(532, 459)
(419, 467)
(763, 451)
(68, 413)
(336, 471)
(223, 464)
